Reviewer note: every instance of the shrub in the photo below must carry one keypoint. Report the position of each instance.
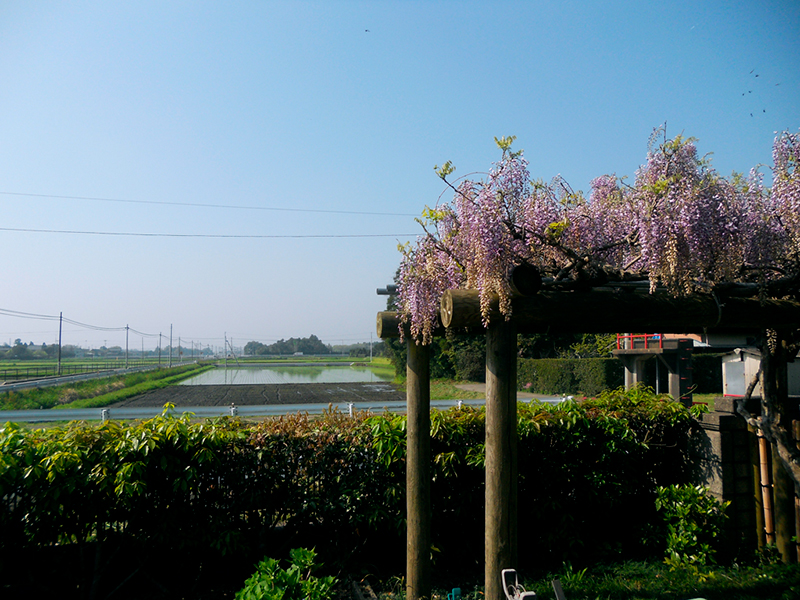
(693, 522)
(470, 364)
(271, 582)
(593, 375)
(338, 483)
(588, 376)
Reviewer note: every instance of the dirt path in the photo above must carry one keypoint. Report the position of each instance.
(242, 395)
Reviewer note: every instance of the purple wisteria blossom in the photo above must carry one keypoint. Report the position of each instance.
(681, 226)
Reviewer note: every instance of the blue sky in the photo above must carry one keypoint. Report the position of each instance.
(326, 119)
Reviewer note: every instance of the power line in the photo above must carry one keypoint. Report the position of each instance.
(207, 235)
(23, 315)
(93, 327)
(202, 205)
(152, 335)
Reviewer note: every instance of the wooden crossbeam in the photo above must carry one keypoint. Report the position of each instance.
(608, 310)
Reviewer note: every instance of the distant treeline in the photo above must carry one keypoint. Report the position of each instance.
(309, 345)
(361, 350)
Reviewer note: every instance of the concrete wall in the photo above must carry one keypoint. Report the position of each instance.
(725, 460)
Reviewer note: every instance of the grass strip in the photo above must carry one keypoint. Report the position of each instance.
(446, 389)
(68, 393)
(135, 390)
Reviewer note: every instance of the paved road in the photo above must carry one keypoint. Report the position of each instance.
(254, 401)
(269, 410)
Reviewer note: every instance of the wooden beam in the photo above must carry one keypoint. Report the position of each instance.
(418, 473)
(610, 311)
(388, 326)
(501, 456)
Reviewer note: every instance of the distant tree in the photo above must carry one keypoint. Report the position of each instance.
(592, 345)
(254, 348)
(309, 345)
(467, 355)
(19, 351)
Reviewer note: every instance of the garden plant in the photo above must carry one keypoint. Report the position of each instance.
(114, 500)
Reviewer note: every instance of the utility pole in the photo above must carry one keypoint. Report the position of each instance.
(225, 349)
(170, 345)
(60, 318)
(126, 345)
(159, 349)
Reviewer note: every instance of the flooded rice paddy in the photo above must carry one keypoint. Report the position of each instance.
(285, 375)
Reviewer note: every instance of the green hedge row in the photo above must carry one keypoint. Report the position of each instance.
(588, 475)
(590, 376)
(584, 376)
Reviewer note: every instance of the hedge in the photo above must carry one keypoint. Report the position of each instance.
(590, 376)
(167, 487)
(584, 376)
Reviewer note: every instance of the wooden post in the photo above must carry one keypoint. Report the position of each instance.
(758, 501)
(775, 406)
(418, 472)
(783, 492)
(501, 455)
(766, 488)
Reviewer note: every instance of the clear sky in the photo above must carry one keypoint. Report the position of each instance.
(314, 127)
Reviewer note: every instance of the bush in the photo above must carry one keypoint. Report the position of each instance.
(338, 484)
(586, 376)
(693, 522)
(271, 582)
(470, 364)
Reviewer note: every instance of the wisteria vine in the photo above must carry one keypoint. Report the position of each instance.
(680, 226)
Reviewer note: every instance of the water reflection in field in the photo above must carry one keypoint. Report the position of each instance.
(284, 375)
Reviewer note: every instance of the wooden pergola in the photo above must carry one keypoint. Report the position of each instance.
(611, 308)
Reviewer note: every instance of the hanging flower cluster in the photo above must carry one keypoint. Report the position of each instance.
(680, 226)
(785, 194)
